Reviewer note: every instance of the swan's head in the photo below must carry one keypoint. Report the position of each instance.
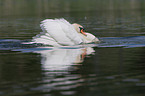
(87, 37)
(79, 28)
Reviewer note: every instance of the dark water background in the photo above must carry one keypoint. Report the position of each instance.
(115, 67)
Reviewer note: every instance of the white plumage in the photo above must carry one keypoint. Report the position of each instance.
(59, 32)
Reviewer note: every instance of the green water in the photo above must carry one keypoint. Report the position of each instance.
(115, 67)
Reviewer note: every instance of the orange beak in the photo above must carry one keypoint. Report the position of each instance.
(82, 31)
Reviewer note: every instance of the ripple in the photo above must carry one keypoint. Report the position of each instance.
(68, 92)
(140, 84)
(125, 42)
(110, 77)
(131, 80)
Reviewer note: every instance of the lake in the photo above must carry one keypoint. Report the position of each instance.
(114, 67)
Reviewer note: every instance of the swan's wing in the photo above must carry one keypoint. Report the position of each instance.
(70, 31)
(44, 39)
(61, 31)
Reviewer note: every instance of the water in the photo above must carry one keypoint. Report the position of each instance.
(115, 67)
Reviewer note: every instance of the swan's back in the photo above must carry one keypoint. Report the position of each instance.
(57, 32)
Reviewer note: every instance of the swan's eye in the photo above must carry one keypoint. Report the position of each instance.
(82, 31)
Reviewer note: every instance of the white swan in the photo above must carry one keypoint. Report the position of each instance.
(59, 32)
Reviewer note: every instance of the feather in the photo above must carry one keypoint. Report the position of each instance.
(60, 31)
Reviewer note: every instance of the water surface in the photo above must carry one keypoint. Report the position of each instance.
(115, 67)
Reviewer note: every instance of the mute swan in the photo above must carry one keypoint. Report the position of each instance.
(59, 32)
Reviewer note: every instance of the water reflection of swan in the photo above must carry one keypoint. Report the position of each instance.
(62, 59)
(59, 32)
